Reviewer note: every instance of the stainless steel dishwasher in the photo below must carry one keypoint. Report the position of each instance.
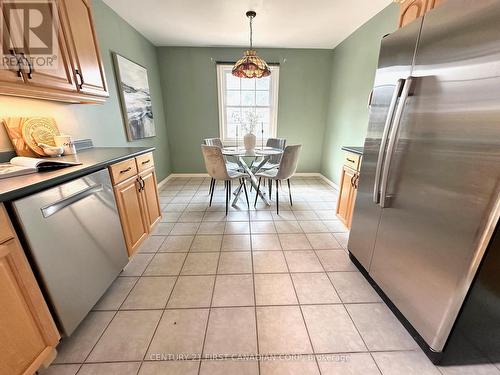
(75, 240)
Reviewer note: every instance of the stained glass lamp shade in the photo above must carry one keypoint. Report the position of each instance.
(251, 65)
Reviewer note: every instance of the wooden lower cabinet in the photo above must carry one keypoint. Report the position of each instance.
(27, 331)
(347, 195)
(137, 199)
(151, 199)
(130, 207)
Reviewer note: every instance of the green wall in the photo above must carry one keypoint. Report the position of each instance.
(352, 75)
(103, 123)
(190, 93)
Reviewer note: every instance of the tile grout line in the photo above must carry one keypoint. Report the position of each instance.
(347, 311)
(165, 306)
(113, 318)
(254, 299)
(209, 313)
(302, 313)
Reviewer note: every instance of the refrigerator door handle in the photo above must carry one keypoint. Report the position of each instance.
(383, 141)
(392, 140)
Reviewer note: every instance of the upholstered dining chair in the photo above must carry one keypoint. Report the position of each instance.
(286, 169)
(230, 164)
(274, 160)
(217, 169)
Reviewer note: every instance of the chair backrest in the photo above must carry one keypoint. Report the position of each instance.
(289, 161)
(213, 142)
(214, 162)
(276, 143)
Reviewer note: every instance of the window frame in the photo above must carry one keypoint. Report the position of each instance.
(221, 97)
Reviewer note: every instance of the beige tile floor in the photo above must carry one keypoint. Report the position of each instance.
(208, 286)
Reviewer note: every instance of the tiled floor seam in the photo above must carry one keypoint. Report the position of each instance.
(255, 306)
(163, 311)
(301, 312)
(208, 318)
(111, 320)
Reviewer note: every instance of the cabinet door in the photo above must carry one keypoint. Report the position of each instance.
(344, 204)
(26, 327)
(129, 201)
(150, 197)
(352, 199)
(50, 69)
(410, 10)
(80, 34)
(10, 67)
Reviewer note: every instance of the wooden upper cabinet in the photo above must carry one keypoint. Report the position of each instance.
(410, 10)
(77, 73)
(60, 75)
(12, 72)
(82, 41)
(28, 332)
(150, 197)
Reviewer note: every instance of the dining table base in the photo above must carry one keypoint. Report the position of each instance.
(253, 181)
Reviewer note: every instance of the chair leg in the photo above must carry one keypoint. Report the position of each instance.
(211, 186)
(289, 192)
(257, 192)
(277, 199)
(270, 182)
(226, 183)
(245, 190)
(212, 183)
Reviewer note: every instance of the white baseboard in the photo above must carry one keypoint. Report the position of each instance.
(173, 175)
(304, 174)
(307, 174)
(330, 182)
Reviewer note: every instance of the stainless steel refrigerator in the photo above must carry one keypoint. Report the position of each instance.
(428, 198)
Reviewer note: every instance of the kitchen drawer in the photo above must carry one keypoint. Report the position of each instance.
(145, 161)
(352, 160)
(123, 170)
(6, 232)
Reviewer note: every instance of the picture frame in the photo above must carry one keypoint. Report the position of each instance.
(135, 98)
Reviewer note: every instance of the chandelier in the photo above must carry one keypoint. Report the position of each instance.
(251, 65)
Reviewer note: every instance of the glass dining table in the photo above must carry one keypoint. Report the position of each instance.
(240, 154)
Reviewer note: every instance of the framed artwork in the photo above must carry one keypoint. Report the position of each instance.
(135, 97)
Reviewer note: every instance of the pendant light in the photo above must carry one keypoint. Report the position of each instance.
(251, 65)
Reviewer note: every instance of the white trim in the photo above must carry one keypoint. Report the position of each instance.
(303, 174)
(307, 174)
(164, 181)
(221, 89)
(330, 182)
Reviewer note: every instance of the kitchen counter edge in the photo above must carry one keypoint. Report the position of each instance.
(93, 159)
(354, 149)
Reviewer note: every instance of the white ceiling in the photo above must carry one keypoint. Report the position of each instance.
(222, 23)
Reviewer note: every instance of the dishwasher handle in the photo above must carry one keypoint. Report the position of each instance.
(53, 208)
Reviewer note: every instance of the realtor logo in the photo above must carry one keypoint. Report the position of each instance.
(29, 32)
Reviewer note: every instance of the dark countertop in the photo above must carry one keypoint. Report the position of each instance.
(92, 159)
(354, 149)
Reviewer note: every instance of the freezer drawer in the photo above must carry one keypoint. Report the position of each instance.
(75, 240)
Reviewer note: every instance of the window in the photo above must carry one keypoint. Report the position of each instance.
(240, 96)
